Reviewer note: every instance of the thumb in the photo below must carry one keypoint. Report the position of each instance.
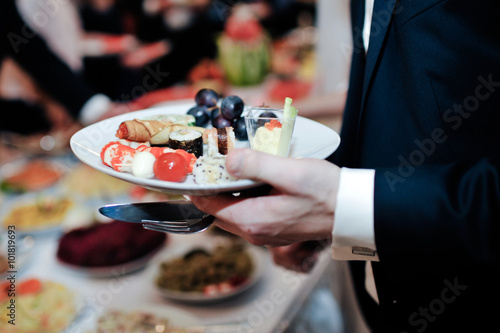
(258, 166)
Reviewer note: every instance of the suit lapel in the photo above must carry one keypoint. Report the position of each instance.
(381, 20)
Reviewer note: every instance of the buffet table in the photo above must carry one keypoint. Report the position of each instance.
(268, 306)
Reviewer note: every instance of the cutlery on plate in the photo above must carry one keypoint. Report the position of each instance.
(178, 217)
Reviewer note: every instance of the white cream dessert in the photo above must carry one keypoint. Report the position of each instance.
(267, 137)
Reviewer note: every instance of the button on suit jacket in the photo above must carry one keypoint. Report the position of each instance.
(423, 110)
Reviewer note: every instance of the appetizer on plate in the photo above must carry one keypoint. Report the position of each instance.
(42, 306)
(143, 143)
(134, 153)
(311, 140)
(153, 131)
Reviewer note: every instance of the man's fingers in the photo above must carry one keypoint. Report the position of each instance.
(296, 257)
(226, 207)
(214, 204)
(254, 165)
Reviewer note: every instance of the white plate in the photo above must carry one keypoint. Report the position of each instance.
(176, 317)
(258, 257)
(310, 140)
(32, 198)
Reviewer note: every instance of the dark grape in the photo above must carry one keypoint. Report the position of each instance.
(214, 113)
(206, 97)
(240, 129)
(232, 107)
(200, 114)
(221, 122)
(266, 114)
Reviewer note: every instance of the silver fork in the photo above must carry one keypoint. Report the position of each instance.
(178, 217)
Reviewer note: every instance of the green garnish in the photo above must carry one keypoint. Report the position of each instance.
(289, 116)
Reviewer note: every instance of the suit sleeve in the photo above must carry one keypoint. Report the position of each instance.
(439, 212)
(32, 53)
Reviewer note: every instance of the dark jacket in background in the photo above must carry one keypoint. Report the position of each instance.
(30, 51)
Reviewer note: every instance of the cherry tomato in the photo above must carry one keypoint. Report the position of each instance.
(171, 167)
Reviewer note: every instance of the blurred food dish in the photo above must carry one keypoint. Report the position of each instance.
(142, 319)
(106, 249)
(91, 183)
(42, 306)
(37, 213)
(207, 275)
(30, 175)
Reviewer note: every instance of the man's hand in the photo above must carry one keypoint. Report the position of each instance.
(300, 257)
(300, 206)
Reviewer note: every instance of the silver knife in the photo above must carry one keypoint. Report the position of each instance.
(153, 211)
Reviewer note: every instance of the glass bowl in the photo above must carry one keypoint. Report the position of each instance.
(264, 129)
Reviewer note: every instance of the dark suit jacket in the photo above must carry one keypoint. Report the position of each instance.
(423, 110)
(31, 52)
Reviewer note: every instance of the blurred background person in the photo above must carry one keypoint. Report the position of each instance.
(321, 88)
(50, 77)
(170, 40)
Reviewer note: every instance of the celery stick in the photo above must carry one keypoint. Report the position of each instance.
(289, 116)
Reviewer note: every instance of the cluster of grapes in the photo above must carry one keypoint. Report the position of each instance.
(227, 114)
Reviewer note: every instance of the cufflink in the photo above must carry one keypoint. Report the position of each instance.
(363, 251)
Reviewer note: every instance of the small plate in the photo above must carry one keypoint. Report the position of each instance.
(50, 226)
(310, 140)
(258, 257)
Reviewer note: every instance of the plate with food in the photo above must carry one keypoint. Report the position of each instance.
(140, 318)
(29, 175)
(181, 148)
(37, 213)
(105, 249)
(41, 305)
(210, 273)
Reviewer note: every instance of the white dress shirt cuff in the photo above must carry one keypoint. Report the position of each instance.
(94, 108)
(353, 235)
